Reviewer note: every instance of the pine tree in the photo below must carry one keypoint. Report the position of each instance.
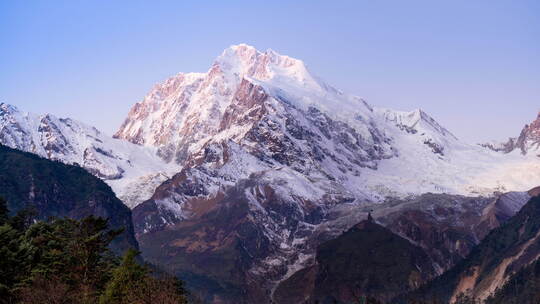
(124, 279)
(74, 252)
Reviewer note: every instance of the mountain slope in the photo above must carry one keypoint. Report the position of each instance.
(59, 190)
(503, 252)
(247, 232)
(367, 260)
(522, 287)
(122, 165)
(447, 227)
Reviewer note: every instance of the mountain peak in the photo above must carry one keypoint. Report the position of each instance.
(171, 110)
(244, 60)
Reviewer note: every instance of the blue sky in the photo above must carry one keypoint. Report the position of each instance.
(473, 65)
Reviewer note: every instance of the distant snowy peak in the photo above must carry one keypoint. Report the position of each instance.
(415, 121)
(57, 139)
(119, 163)
(287, 78)
(528, 141)
(419, 125)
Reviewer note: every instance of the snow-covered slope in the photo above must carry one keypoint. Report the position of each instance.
(123, 165)
(247, 95)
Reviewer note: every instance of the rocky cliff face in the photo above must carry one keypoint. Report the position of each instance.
(216, 214)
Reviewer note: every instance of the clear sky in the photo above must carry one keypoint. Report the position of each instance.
(473, 65)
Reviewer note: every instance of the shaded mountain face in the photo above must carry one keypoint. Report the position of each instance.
(59, 190)
(447, 227)
(266, 238)
(367, 260)
(132, 171)
(232, 247)
(528, 141)
(503, 252)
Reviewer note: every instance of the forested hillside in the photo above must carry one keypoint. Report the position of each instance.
(69, 261)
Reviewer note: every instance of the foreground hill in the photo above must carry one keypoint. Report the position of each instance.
(54, 189)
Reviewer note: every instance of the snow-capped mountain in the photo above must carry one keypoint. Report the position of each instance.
(121, 164)
(276, 110)
(269, 151)
(528, 141)
(242, 87)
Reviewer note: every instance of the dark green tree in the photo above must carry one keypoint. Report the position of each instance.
(76, 252)
(15, 254)
(124, 280)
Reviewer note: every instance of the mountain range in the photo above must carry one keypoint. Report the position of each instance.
(237, 176)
